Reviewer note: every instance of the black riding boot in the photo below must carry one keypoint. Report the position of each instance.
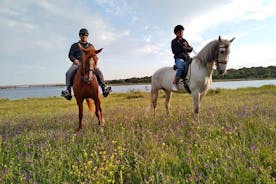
(67, 93)
(99, 75)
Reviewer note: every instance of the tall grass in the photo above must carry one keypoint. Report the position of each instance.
(233, 141)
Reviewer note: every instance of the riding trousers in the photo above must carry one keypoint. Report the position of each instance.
(73, 70)
(180, 67)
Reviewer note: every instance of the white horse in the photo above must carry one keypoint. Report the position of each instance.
(199, 76)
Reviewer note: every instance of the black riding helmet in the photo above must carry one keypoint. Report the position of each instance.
(83, 31)
(178, 28)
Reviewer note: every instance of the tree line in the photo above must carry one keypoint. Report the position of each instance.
(231, 74)
(248, 73)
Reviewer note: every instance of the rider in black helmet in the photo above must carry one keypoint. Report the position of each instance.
(83, 31)
(75, 55)
(181, 49)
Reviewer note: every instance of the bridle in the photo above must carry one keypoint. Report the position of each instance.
(88, 78)
(221, 50)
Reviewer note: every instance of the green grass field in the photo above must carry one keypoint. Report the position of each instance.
(232, 142)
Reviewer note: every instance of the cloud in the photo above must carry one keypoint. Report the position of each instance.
(230, 13)
(252, 55)
(114, 7)
(148, 49)
(135, 36)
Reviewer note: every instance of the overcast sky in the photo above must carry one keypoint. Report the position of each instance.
(36, 35)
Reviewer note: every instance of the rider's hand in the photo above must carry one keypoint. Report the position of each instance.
(76, 62)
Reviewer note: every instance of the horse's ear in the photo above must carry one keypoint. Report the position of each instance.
(219, 38)
(232, 39)
(98, 51)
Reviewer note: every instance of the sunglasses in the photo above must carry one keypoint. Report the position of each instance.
(83, 34)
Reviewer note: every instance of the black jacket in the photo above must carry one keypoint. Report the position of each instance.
(75, 52)
(181, 48)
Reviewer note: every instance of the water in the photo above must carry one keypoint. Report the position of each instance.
(51, 91)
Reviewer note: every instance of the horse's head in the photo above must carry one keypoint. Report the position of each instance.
(89, 61)
(223, 52)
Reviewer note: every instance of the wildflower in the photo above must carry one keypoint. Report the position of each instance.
(85, 154)
(253, 147)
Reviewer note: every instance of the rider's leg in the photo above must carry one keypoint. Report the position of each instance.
(69, 80)
(179, 64)
(100, 78)
(180, 69)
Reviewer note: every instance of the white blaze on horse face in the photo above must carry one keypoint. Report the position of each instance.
(91, 68)
(91, 63)
(221, 68)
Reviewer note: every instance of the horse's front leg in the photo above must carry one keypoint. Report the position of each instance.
(196, 100)
(202, 95)
(99, 111)
(80, 104)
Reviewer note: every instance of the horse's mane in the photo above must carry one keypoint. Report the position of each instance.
(208, 53)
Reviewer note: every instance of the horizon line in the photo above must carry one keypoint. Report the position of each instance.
(63, 84)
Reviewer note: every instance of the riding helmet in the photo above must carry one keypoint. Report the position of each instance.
(178, 28)
(83, 31)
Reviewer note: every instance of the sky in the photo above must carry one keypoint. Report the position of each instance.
(35, 36)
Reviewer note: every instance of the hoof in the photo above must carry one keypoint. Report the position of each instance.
(101, 129)
(78, 130)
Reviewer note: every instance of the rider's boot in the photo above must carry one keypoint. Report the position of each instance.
(106, 91)
(67, 93)
(174, 86)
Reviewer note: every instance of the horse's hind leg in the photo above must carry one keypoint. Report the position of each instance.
(167, 101)
(154, 96)
(80, 104)
(90, 106)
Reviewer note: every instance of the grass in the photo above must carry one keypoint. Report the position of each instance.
(232, 142)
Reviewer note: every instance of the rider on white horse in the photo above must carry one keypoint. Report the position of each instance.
(181, 49)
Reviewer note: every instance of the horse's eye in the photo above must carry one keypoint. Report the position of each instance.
(222, 51)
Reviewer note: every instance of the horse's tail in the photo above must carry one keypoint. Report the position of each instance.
(90, 105)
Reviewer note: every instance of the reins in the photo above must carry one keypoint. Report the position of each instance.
(191, 65)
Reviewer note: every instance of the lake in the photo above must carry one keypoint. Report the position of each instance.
(50, 91)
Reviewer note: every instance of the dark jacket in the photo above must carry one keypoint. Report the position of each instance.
(75, 52)
(181, 48)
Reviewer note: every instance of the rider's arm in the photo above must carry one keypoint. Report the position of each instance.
(176, 47)
(72, 52)
(187, 46)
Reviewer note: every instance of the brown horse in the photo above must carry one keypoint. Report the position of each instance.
(85, 85)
